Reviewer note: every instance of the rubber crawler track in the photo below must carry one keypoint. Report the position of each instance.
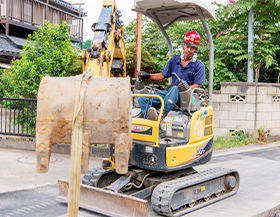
(92, 177)
(163, 193)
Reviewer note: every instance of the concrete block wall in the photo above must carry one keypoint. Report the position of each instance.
(246, 106)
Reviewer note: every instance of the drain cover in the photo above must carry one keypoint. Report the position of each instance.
(32, 159)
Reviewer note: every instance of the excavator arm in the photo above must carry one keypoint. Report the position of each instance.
(106, 56)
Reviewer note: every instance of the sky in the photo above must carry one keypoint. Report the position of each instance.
(93, 9)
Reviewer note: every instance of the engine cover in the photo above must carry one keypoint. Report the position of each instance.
(176, 125)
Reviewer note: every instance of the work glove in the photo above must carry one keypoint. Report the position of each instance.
(143, 75)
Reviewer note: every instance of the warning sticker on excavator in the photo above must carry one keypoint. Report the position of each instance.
(198, 130)
(169, 129)
(141, 129)
(180, 134)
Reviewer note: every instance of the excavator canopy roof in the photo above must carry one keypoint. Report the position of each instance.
(170, 11)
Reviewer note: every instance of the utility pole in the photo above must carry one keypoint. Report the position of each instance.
(138, 43)
(250, 71)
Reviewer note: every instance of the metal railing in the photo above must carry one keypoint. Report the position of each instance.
(18, 117)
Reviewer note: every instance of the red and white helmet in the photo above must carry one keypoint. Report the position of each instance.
(192, 38)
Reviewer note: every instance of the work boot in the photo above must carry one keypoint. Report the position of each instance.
(152, 114)
(161, 133)
(164, 114)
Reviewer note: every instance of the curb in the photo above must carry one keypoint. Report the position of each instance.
(274, 212)
(95, 151)
(58, 148)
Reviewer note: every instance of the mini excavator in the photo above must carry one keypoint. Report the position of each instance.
(158, 167)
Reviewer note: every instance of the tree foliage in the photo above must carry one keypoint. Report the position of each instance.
(147, 61)
(230, 38)
(234, 17)
(47, 52)
(87, 44)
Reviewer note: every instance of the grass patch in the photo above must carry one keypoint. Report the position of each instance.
(232, 142)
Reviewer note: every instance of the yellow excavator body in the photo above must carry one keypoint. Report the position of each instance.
(98, 105)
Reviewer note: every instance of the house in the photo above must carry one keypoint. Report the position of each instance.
(19, 18)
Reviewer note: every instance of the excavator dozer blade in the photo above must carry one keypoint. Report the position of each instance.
(104, 201)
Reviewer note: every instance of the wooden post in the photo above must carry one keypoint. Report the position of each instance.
(138, 43)
(7, 18)
(76, 151)
(47, 11)
(76, 144)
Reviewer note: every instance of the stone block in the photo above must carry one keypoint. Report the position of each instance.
(266, 116)
(275, 116)
(277, 124)
(251, 90)
(17, 144)
(260, 98)
(221, 132)
(267, 99)
(250, 116)
(228, 107)
(237, 98)
(272, 90)
(276, 99)
(230, 124)
(261, 124)
(275, 132)
(221, 115)
(259, 116)
(61, 148)
(220, 97)
(237, 115)
(216, 106)
(245, 125)
(250, 98)
(270, 125)
(216, 123)
(262, 90)
(242, 89)
(265, 107)
(278, 90)
(246, 107)
(99, 151)
(228, 89)
(249, 131)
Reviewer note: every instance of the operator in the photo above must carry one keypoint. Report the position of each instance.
(187, 66)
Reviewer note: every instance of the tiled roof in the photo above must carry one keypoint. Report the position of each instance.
(17, 42)
(7, 47)
(67, 4)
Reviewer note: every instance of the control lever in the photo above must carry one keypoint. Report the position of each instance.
(176, 76)
(170, 101)
(183, 85)
(138, 83)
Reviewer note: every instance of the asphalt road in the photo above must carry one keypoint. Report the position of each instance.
(23, 192)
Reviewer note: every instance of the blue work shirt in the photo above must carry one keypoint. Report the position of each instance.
(193, 73)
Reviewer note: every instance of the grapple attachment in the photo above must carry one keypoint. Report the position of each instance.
(106, 118)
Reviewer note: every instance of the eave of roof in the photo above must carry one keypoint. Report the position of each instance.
(6, 47)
